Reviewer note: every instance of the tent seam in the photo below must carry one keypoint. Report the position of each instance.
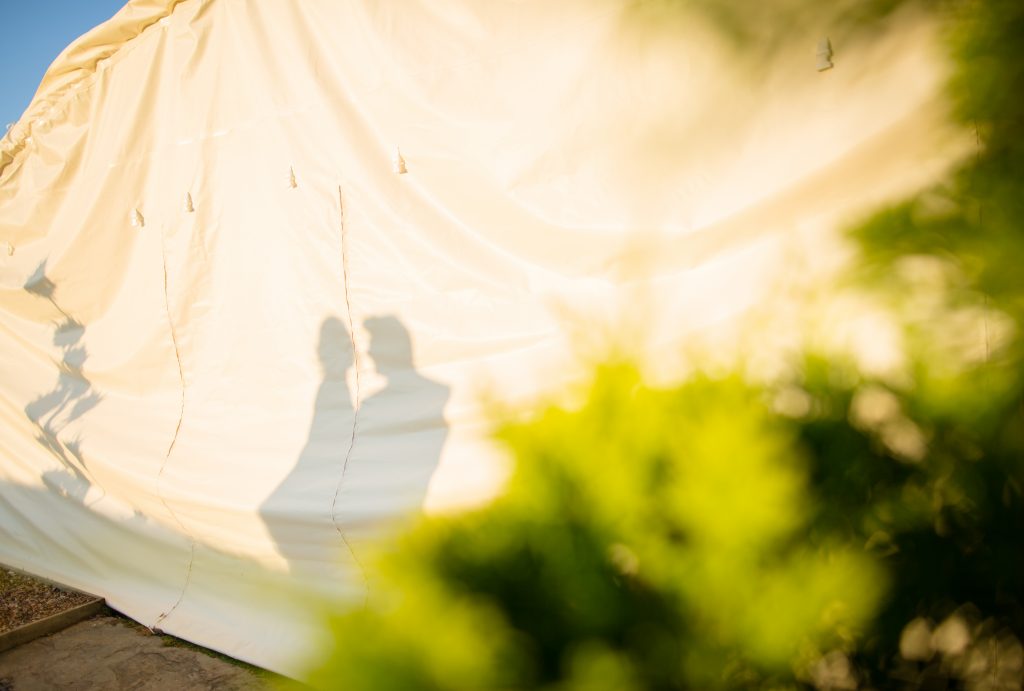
(358, 392)
(174, 440)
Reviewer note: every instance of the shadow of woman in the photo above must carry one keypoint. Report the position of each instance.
(297, 513)
(399, 436)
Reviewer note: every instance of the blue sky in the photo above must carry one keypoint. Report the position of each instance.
(34, 32)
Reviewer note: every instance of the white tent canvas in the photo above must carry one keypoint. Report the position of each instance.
(264, 261)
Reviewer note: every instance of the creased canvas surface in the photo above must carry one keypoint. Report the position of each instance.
(236, 340)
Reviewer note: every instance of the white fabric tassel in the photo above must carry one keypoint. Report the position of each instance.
(398, 163)
(824, 54)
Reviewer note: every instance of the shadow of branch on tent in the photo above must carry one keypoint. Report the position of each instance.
(72, 396)
(363, 468)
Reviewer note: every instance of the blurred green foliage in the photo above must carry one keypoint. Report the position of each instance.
(649, 539)
(756, 32)
(948, 261)
(831, 530)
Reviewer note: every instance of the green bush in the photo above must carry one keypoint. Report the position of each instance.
(649, 539)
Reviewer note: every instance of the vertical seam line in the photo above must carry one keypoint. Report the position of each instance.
(358, 392)
(174, 440)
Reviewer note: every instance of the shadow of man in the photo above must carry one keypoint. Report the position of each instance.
(400, 432)
(298, 512)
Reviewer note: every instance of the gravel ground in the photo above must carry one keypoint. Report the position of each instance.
(24, 600)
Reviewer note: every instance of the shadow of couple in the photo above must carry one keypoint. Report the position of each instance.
(364, 466)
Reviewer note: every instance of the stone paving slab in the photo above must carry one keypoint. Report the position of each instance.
(111, 654)
(47, 625)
